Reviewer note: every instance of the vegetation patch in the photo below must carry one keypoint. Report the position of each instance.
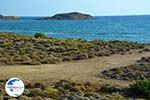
(68, 90)
(138, 71)
(140, 89)
(20, 49)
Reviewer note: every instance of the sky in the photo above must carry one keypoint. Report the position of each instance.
(93, 7)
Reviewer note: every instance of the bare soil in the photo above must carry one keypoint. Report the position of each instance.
(83, 70)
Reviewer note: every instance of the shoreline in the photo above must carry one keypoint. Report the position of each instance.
(50, 35)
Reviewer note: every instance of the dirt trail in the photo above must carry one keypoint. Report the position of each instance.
(84, 70)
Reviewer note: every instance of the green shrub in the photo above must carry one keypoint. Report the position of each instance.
(39, 35)
(141, 89)
(52, 92)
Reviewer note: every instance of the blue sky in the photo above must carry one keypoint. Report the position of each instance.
(93, 7)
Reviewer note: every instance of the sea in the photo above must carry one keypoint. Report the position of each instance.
(128, 28)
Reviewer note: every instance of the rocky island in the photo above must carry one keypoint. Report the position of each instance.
(68, 16)
(9, 17)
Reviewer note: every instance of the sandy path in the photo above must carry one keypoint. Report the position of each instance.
(85, 70)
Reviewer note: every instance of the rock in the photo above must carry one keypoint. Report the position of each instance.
(68, 16)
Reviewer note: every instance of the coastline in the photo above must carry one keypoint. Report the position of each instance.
(74, 50)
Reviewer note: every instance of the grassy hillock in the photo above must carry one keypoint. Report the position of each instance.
(20, 49)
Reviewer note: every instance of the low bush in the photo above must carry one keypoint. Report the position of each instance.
(140, 89)
(109, 89)
(35, 92)
(39, 35)
(51, 92)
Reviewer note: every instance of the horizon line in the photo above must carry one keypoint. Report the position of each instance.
(83, 13)
(93, 16)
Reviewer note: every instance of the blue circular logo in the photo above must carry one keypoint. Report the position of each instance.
(14, 87)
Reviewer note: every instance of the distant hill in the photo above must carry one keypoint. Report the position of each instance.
(9, 17)
(68, 16)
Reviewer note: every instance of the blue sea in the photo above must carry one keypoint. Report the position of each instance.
(130, 28)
